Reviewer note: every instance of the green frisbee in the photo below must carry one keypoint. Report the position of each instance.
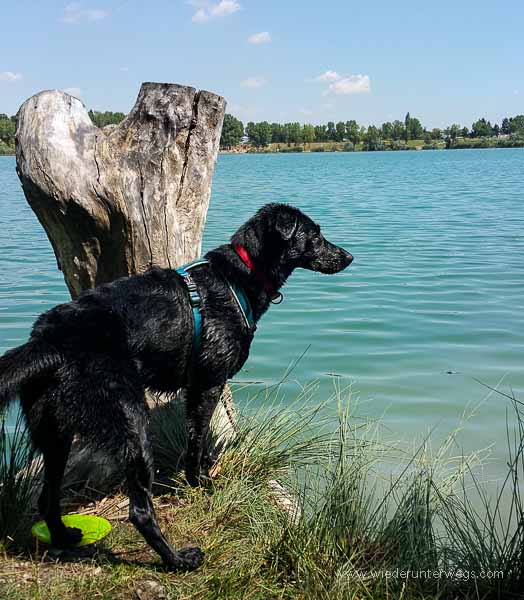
(93, 528)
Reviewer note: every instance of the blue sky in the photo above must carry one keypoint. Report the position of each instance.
(446, 61)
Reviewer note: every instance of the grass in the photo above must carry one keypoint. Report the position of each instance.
(353, 532)
(16, 482)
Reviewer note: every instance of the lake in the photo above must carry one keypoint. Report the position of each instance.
(433, 300)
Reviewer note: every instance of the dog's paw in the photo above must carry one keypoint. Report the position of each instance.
(67, 538)
(197, 479)
(192, 479)
(186, 559)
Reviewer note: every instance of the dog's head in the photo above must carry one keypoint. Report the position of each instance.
(281, 235)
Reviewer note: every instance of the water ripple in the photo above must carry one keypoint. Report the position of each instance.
(436, 288)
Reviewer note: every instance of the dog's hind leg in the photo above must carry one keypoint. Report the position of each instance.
(55, 451)
(139, 474)
(200, 406)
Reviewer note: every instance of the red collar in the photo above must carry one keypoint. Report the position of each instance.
(260, 275)
(244, 256)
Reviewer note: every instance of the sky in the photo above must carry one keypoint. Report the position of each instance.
(287, 60)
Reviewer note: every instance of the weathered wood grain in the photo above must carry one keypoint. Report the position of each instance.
(115, 201)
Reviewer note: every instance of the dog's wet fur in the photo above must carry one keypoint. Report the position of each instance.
(87, 364)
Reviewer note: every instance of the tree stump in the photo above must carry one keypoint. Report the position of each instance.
(117, 200)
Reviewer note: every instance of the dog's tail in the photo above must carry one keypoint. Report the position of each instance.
(24, 363)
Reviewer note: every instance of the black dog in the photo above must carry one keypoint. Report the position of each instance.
(88, 362)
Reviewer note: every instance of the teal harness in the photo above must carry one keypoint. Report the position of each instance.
(196, 302)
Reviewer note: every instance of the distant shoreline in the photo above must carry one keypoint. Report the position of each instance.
(411, 145)
(292, 151)
(338, 147)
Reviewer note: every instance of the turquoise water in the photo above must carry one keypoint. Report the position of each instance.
(434, 299)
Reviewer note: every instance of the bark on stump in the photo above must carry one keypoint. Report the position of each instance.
(115, 201)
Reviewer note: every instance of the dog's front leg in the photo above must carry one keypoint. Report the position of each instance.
(200, 405)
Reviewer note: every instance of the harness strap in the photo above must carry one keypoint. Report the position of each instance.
(196, 302)
(243, 304)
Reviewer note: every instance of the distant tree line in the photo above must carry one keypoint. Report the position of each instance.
(7, 134)
(396, 133)
(101, 119)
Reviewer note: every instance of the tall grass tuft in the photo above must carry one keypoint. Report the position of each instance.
(485, 532)
(355, 526)
(357, 529)
(17, 482)
(362, 535)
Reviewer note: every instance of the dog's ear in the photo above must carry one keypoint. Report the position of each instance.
(286, 224)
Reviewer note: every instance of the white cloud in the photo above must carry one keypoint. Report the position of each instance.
(305, 111)
(207, 10)
(74, 13)
(201, 16)
(259, 38)
(344, 84)
(225, 7)
(253, 82)
(328, 76)
(9, 76)
(73, 91)
(354, 84)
